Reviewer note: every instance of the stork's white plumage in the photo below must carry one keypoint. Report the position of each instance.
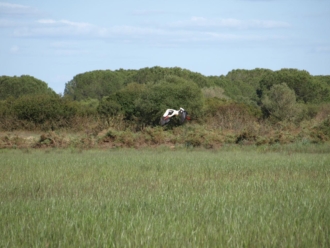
(172, 112)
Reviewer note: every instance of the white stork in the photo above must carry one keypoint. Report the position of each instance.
(183, 115)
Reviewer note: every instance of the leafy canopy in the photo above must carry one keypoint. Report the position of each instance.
(23, 85)
(280, 102)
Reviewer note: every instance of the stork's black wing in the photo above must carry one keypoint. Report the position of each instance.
(164, 121)
(183, 116)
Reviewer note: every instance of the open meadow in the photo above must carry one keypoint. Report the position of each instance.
(232, 197)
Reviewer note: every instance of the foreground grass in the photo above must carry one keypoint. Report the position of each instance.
(132, 198)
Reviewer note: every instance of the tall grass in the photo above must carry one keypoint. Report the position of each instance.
(161, 198)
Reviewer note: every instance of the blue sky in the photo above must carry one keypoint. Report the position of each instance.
(56, 40)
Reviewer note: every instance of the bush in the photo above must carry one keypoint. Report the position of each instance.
(87, 107)
(321, 132)
(108, 108)
(280, 103)
(212, 105)
(230, 115)
(40, 109)
(308, 111)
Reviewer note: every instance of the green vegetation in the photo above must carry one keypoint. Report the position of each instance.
(280, 103)
(237, 197)
(307, 89)
(123, 107)
(250, 169)
(95, 84)
(14, 87)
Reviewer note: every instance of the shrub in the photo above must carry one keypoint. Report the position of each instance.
(40, 109)
(231, 115)
(212, 105)
(154, 135)
(87, 107)
(321, 132)
(51, 139)
(280, 103)
(108, 108)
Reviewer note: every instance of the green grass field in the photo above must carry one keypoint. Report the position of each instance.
(163, 198)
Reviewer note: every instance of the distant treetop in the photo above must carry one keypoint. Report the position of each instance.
(23, 85)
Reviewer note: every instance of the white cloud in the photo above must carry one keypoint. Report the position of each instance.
(12, 6)
(218, 36)
(69, 29)
(9, 9)
(201, 22)
(195, 29)
(53, 28)
(131, 34)
(182, 32)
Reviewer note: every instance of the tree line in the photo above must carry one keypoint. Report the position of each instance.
(141, 96)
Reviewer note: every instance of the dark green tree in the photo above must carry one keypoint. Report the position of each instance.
(307, 90)
(23, 85)
(280, 103)
(241, 85)
(94, 84)
(159, 74)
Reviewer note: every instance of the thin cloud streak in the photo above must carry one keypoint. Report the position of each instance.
(197, 29)
(17, 10)
(196, 21)
(48, 28)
